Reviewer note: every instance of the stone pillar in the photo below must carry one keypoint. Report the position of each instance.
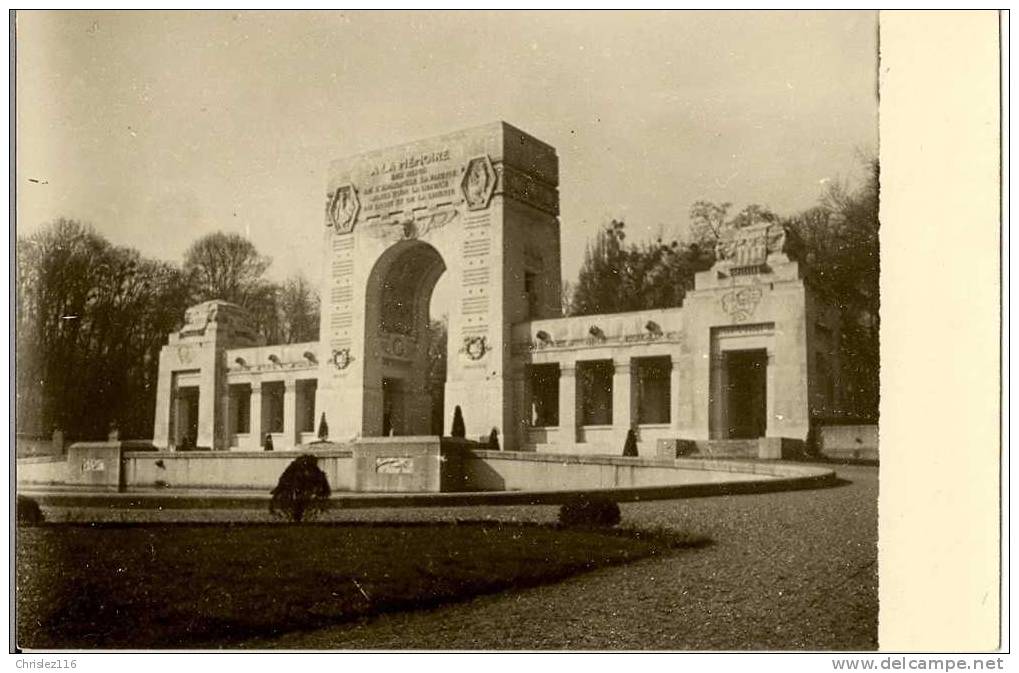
(718, 397)
(255, 418)
(289, 437)
(162, 429)
(57, 444)
(521, 411)
(177, 420)
(624, 414)
(208, 402)
(675, 376)
(569, 403)
(770, 391)
(229, 419)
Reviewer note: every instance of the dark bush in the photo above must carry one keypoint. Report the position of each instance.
(28, 512)
(458, 429)
(323, 428)
(303, 490)
(630, 446)
(589, 511)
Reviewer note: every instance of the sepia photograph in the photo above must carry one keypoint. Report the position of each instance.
(447, 330)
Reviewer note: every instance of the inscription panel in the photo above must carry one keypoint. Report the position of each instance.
(394, 465)
(416, 188)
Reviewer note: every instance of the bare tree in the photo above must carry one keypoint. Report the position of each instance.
(298, 308)
(226, 266)
(90, 320)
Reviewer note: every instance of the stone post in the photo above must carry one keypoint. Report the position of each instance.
(719, 397)
(176, 420)
(255, 418)
(290, 438)
(229, 419)
(623, 400)
(675, 378)
(770, 394)
(569, 403)
(521, 411)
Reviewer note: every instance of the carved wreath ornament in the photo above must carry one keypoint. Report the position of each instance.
(475, 347)
(740, 303)
(341, 358)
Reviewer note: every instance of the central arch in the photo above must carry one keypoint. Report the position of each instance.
(397, 299)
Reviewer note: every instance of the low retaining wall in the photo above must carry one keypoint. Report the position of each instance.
(42, 470)
(524, 471)
(771, 478)
(848, 442)
(474, 476)
(259, 470)
(26, 445)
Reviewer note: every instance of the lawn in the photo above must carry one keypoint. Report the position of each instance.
(206, 586)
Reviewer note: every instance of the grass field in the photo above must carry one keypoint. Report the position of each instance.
(205, 586)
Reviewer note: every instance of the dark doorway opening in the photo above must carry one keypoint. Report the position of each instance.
(272, 408)
(392, 407)
(747, 393)
(407, 367)
(186, 421)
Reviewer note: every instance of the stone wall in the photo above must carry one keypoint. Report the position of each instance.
(515, 471)
(229, 470)
(853, 442)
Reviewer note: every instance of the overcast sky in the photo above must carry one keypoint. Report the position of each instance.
(160, 127)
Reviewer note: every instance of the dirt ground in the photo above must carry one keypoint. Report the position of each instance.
(787, 571)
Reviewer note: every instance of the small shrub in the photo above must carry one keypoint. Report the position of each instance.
(630, 446)
(323, 428)
(28, 512)
(458, 429)
(597, 511)
(302, 490)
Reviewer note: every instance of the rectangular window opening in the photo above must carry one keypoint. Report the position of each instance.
(654, 395)
(595, 390)
(544, 383)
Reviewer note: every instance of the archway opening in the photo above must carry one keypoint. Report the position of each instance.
(406, 349)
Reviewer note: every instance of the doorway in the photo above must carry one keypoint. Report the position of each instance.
(404, 350)
(392, 407)
(185, 430)
(747, 393)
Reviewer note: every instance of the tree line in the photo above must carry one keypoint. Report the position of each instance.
(840, 252)
(91, 318)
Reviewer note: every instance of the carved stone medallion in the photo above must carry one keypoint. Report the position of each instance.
(478, 183)
(342, 208)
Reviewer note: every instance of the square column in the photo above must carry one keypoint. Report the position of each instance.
(569, 403)
(718, 398)
(521, 411)
(624, 415)
(289, 437)
(771, 429)
(178, 420)
(255, 416)
(229, 419)
(675, 378)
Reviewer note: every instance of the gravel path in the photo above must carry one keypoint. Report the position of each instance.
(793, 570)
(787, 571)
